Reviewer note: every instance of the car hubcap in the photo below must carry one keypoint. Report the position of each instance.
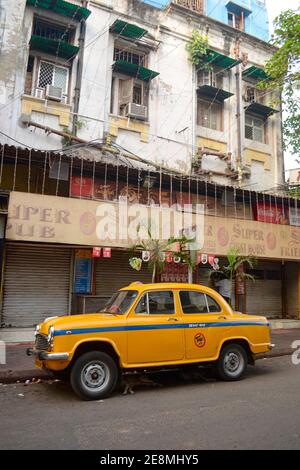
(233, 363)
(95, 376)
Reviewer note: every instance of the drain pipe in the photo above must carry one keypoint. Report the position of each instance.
(239, 132)
(81, 42)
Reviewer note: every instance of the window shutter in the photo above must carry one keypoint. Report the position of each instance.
(126, 89)
(61, 78)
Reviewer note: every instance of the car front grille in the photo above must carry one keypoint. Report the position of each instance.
(41, 342)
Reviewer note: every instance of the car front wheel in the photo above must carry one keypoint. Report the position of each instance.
(232, 362)
(94, 376)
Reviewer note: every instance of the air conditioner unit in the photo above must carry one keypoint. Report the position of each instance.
(39, 93)
(54, 93)
(136, 111)
(64, 99)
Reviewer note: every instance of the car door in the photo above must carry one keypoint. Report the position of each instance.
(154, 331)
(205, 324)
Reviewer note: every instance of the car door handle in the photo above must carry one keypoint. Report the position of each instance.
(172, 319)
(221, 317)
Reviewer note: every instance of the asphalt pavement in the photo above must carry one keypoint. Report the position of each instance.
(259, 412)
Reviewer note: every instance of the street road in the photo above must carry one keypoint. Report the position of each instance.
(260, 412)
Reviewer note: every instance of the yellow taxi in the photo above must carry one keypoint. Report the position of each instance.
(149, 326)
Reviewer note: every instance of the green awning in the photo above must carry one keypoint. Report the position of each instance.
(256, 73)
(219, 60)
(261, 109)
(127, 30)
(134, 70)
(215, 93)
(50, 46)
(62, 7)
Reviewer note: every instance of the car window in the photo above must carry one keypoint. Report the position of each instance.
(213, 306)
(156, 303)
(120, 302)
(193, 302)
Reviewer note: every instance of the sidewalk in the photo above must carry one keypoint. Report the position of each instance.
(19, 366)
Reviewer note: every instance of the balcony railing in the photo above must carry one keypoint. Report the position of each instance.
(194, 5)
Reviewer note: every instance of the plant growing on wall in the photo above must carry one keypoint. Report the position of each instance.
(197, 48)
(68, 141)
(157, 250)
(234, 268)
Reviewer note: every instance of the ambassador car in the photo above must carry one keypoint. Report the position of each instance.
(146, 326)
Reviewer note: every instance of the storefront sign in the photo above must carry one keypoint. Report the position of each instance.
(83, 276)
(271, 214)
(295, 216)
(50, 219)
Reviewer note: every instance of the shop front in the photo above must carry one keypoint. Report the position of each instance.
(61, 258)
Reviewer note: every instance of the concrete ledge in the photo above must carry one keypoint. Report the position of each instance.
(17, 335)
(284, 324)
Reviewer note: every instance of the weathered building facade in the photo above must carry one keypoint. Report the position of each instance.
(127, 75)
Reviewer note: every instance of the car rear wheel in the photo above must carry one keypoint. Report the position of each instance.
(232, 362)
(94, 376)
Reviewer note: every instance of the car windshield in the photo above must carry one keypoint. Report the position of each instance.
(120, 302)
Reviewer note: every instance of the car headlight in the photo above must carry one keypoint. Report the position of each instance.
(50, 336)
(37, 329)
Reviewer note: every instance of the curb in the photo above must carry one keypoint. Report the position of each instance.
(10, 376)
(279, 353)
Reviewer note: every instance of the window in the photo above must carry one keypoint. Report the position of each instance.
(52, 31)
(50, 74)
(133, 57)
(129, 95)
(120, 302)
(29, 75)
(156, 303)
(236, 21)
(254, 128)
(193, 302)
(213, 306)
(212, 78)
(210, 114)
(197, 302)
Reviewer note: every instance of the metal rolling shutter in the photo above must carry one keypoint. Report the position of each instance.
(115, 272)
(36, 284)
(264, 296)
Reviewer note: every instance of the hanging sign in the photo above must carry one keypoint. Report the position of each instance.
(106, 252)
(203, 258)
(146, 256)
(211, 259)
(96, 252)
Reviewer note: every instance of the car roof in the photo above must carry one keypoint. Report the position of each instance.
(165, 285)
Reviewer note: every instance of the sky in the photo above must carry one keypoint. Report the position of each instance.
(275, 7)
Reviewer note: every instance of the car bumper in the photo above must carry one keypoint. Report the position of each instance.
(46, 356)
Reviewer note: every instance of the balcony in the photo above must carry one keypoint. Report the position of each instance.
(194, 5)
(61, 7)
(256, 103)
(52, 39)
